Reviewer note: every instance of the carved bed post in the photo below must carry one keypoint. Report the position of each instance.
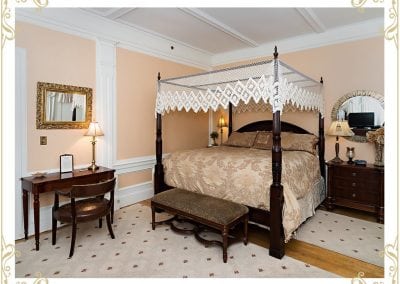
(321, 142)
(158, 169)
(277, 245)
(230, 120)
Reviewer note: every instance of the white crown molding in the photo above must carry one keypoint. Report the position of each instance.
(89, 25)
(205, 18)
(359, 31)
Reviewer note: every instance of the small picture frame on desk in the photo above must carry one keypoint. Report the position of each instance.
(66, 163)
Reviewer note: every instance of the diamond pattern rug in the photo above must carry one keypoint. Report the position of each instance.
(346, 235)
(138, 251)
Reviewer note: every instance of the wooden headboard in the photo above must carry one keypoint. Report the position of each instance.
(266, 125)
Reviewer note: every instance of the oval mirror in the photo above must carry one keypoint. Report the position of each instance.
(364, 110)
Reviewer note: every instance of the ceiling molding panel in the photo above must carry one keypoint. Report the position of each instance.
(119, 13)
(108, 24)
(204, 17)
(85, 24)
(359, 31)
(312, 20)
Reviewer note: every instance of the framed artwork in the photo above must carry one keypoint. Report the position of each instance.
(66, 163)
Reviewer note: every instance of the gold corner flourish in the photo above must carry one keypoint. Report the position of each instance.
(391, 30)
(7, 252)
(40, 279)
(7, 32)
(391, 252)
(358, 3)
(41, 3)
(359, 279)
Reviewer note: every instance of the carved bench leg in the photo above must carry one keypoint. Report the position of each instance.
(225, 244)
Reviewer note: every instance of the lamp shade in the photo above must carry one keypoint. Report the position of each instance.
(222, 122)
(340, 128)
(94, 129)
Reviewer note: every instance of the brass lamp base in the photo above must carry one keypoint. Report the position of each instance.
(93, 167)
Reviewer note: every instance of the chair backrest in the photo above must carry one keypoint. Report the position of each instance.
(94, 189)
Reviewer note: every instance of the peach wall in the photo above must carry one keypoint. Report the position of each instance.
(55, 57)
(136, 96)
(134, 178)
(345, 67)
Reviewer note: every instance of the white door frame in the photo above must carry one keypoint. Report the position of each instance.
(21, 144)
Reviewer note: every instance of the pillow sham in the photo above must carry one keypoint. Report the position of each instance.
(299, 142)
(263, 140)
(241, 139)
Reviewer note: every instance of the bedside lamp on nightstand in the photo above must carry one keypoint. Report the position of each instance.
(339, 128)
(221, 124)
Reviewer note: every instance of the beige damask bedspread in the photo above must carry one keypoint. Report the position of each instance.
(244, 175)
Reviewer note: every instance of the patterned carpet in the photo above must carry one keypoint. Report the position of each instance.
(349, 236)
(139, 251)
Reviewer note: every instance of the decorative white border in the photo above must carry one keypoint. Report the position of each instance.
(391, 91)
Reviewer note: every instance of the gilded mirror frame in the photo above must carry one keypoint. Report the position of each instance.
(357, 93)
(43, 88)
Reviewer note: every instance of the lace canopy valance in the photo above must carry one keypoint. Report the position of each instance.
(246, 87)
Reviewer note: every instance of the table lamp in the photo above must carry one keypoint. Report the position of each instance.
(94, 131)
(339, 128)
(221, 124)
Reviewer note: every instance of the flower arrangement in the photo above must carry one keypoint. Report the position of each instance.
(377, 136)
(213, 136)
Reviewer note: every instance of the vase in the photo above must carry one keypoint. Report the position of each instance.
(379, 155)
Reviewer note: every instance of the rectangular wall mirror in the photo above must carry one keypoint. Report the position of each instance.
(63, 106)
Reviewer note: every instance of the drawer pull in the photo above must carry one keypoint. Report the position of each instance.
(353, 195)
(354, 174)
(353, 184)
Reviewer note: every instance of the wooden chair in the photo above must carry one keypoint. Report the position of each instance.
(92, 206)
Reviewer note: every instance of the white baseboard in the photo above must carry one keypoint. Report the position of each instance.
(126, 196)
(134, 193)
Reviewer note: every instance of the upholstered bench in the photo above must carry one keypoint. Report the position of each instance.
(216, 213)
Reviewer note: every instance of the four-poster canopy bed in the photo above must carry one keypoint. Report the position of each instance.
(272, 85)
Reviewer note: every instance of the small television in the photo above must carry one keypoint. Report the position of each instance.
(361, 119)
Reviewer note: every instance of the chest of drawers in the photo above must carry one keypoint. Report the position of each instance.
(356, 187)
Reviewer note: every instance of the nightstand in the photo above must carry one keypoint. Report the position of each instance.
(356, 187)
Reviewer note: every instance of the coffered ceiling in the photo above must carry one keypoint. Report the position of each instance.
(224, 35)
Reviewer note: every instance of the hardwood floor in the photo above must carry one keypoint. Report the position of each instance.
(325, 259)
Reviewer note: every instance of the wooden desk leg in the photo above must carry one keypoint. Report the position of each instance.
(36, 215)
(26, 210)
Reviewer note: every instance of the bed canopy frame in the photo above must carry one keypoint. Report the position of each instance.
(271, 84)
